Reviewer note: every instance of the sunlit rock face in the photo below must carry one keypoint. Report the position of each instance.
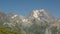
(14, 16)
(41, 15)
(19, 19)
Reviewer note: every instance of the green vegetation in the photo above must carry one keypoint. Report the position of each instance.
(7, 31)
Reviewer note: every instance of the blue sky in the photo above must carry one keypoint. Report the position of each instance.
(24, 7)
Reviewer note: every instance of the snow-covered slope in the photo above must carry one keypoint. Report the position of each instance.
(41, 15)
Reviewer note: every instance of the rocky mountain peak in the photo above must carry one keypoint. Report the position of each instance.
(41, 15)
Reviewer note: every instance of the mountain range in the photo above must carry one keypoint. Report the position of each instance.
(38, 22)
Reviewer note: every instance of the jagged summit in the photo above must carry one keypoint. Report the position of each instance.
(41, 15)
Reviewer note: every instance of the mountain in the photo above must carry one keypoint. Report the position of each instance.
(41, 15)
(38, 22)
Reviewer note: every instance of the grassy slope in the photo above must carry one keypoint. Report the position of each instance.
(7, 31)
